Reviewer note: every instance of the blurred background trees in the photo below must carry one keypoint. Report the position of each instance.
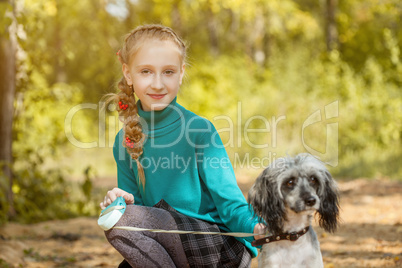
(268, 58)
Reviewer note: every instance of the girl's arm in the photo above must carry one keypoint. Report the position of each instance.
(217, 173)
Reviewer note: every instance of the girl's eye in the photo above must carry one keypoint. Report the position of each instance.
(145, 71)
(169, 72)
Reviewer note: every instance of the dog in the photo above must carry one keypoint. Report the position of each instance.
(285, 197)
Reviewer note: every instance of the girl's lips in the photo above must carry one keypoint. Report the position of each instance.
(156, 96)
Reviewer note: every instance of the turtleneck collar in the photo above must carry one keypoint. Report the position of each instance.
(162, 118)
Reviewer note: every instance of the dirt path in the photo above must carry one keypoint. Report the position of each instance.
(370, 235)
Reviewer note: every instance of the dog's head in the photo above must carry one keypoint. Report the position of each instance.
(301, 184)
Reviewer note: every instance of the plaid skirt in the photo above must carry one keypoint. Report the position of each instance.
(208, 250)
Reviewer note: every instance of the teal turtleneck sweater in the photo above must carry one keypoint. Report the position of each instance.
(186, 164)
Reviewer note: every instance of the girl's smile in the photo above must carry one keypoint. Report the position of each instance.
(156, 72)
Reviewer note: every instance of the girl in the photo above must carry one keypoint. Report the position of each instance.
(172, 166)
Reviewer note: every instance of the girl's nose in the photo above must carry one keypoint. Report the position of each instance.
(157, 82)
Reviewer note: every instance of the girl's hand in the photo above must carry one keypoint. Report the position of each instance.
(113, 194)
(260, 228)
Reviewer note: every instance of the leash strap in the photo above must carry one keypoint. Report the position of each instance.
(136, 229)
(112, 214)
(284, 236)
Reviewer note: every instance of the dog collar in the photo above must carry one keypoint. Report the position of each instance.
(284, 236)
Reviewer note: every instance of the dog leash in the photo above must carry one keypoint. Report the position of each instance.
(112, 214)
(136, 229)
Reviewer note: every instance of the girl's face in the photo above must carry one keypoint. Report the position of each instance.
(156, 72)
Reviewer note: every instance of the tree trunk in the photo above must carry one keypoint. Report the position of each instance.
(8, 46)
(212, 30)
(60, 73)
(331, 30)
(176, 18)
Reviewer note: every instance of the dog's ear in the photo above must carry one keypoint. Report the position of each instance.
(265, 199)
(329, 207)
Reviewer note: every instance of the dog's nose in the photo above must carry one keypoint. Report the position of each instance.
(310, 201)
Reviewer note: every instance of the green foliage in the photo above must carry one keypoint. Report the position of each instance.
(40, 194)
(87, 185)
(5, 19)
(63, 261)
(40, 189)
(361, 25)
(5, 264)
(295, 85)
(87, 204)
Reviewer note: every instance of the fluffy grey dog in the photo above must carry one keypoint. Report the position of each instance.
(285, 197)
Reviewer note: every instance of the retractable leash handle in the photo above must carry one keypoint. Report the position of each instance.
(112, 213)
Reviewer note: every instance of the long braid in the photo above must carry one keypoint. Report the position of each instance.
(126, 104)
(133, 135)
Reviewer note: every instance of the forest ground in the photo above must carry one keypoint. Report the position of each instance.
(370, 234)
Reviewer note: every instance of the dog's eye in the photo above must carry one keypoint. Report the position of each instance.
(313, 180)
(290, 183)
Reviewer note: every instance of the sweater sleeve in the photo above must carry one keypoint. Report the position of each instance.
(217, 173)
(126, 175)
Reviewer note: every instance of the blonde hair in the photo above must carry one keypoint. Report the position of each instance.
(125, 100)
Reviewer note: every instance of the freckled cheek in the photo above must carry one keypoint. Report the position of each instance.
(142, 83)
(172, 82)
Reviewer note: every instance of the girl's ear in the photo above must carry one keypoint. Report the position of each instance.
(183, 67)
(127, 75)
